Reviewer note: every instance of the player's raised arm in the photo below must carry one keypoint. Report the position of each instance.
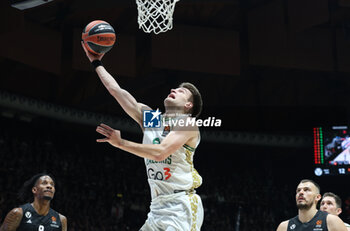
(124, 98)
(12, 220)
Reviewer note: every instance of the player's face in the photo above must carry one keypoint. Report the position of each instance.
(178, 97)
(44, 188)
(328, 205)
(307, 195)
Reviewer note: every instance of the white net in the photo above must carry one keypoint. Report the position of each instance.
(155, 15)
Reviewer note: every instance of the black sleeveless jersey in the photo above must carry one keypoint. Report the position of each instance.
(317, 223)
(31, 221)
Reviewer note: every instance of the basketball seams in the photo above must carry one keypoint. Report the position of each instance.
(98, 48)
(92, 24)
(108, 29)
(89, 42)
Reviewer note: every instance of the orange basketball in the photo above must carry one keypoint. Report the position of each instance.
(98, 36)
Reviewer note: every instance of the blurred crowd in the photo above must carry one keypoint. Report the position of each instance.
(102, 188)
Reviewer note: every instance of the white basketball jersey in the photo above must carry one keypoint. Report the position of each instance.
(174, 174)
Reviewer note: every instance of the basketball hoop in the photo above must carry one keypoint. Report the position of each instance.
(155, 15)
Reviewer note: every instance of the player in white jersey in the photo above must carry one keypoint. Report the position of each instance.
(331, 203)
(168, 153)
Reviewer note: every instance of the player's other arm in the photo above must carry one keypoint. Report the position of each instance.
(124, 98)
(283, 226)
(64, 222)
(12, 220)
(334, 223)
(173, 141)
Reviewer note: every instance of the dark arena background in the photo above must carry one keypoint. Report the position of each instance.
(271, 70)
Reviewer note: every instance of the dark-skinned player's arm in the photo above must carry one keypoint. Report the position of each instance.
(12, 220)
(64, 222)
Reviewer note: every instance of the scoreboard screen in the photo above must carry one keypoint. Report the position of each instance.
(331, 150)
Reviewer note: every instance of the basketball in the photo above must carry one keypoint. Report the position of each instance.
(98, 36)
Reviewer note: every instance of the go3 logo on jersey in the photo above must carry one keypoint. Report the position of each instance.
(159, 175)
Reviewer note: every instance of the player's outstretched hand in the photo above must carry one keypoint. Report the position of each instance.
(91, 56)
(112, 136)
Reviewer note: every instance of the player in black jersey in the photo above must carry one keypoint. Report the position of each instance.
(35, 216)
(309, 218)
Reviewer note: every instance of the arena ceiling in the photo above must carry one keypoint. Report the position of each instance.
(267, 62)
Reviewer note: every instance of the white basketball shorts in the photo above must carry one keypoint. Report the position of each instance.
(175, 212)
